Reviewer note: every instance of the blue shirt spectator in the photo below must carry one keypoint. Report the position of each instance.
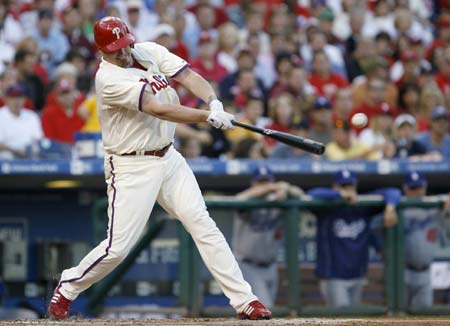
(437, 138)
(52, 43)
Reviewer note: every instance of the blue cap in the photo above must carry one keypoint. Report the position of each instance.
(345, 177)
(439, 112)
(262, 172)
(322, 102)
(15, 90)
(414, 179)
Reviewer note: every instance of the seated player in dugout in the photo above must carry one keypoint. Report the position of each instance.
(257, 233)
(343, 238)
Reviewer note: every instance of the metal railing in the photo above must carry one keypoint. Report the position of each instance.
(189, 264)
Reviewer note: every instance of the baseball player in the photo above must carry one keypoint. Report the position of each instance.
(423, 228)
(138, 111)
(257, 233)
(343, 238)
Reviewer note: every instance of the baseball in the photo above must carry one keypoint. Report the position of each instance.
(359, 120)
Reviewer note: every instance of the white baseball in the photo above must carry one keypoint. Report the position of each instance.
(359, 120)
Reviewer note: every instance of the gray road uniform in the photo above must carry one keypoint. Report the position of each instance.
(423, 229)
(256, 242)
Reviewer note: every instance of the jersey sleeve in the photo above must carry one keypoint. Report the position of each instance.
(124, 94)
(168, 63)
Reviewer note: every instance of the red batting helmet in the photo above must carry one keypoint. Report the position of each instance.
(112, 34)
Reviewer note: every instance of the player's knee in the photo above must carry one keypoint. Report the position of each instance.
(118, 254)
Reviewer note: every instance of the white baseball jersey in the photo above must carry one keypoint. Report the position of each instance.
(119, 99)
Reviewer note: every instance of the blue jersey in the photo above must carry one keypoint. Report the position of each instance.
(343, 235)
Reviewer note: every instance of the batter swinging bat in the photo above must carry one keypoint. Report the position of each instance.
(305, 144)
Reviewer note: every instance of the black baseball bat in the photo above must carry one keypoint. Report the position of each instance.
(305, 144)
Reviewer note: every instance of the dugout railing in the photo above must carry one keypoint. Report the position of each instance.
(190, 295)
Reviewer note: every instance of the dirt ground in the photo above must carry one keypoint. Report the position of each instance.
(234, 322)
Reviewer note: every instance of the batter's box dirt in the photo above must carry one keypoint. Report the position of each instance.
(233, 322)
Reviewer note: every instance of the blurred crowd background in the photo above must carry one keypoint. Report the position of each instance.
(303, 67)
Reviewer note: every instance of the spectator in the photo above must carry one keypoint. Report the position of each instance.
(437, 138)
(423, 228)
(88, 112)
(282, 110)
(29, 44)
(321, 120)
(442, 78)
(246, 86)
(137, 20)
(411, 68)
(251, 114)
(373, 99)
(257, 234)
(442, 41)
(164, 34)
(19, 127)
(404, 134)
(409, 99)
(364, 51)
(228, 41)
(10, 33)
(190, 148)
(72, 24)
(343, 103)
(61, 120)
(285, 151)
(206, 64)
(52, 43)
(250, 148)
(186, 26)
(353, 35)
(34, 88)
(379, 132)
(317, 42)
(343, 238)
(322, 79)
(374, 68)
(381, 20)
(284, 63)
(246, 65)
(344, 147)
(430, 97)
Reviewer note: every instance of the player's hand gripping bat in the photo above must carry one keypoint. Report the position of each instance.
(305, 144)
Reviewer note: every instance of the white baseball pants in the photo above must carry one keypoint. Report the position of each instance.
(134, 184)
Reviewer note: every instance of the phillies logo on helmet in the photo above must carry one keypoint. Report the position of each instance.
(116, 30)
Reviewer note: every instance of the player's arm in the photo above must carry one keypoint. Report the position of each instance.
(199, 87)
(171, 112)
(179, 113)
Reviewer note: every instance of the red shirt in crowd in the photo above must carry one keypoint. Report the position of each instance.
(217, 73)
(444, 83)
(327, 86)
(59, 126)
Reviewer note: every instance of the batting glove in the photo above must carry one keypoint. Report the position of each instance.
(216, 105)
(220, 120)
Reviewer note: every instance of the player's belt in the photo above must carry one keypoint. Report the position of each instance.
(160, 152)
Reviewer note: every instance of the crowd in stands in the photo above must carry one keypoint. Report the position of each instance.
(303, 67)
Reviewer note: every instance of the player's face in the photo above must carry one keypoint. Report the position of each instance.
(123, 57)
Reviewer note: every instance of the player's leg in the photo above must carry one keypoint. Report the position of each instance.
(423, 294)
(181, 197)
(133, 184)
(257, 277)
(272, 283)
(356, 289)
(334, 292)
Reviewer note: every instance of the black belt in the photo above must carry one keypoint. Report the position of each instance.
(263, 265)
(417, 268)
(160, 152)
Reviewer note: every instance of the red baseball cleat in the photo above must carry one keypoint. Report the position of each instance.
(59, 306)
(255, 310)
